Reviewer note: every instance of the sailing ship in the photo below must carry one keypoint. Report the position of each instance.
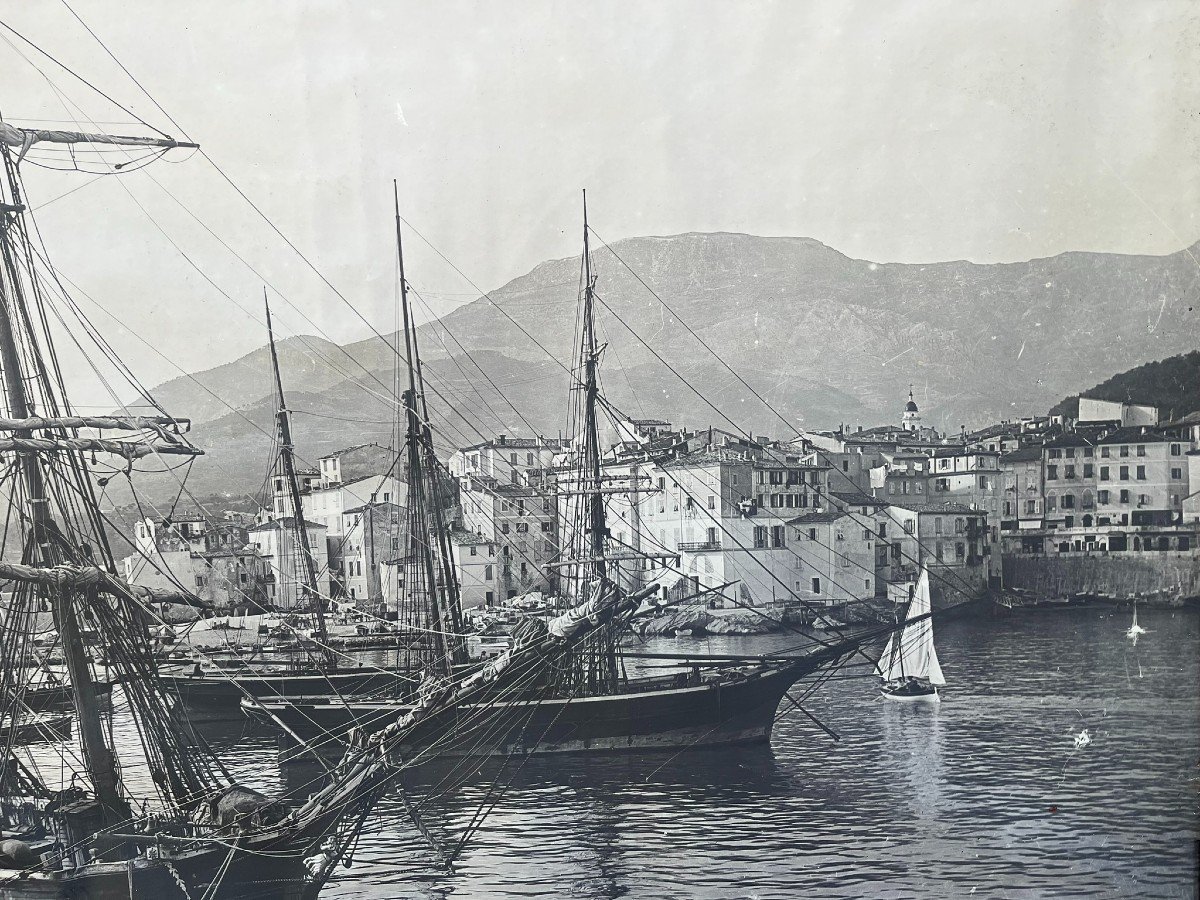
(81, 829)
(589, 702)
(214, 690)
(1135, 630)
(909, 664)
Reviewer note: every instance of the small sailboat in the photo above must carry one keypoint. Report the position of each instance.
(1135, 630)
(909, 665)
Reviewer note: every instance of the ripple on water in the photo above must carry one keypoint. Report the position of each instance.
(983, 796)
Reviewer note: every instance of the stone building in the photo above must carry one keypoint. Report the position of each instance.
(476, 567)
(277, 541)
(369, 534)
(215, 561)
(346, 479)
(507, 460)
(725, 514)
(522, 522)
(1023, 506)
(949, 538)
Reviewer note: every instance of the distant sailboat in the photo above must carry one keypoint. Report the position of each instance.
(1135, 630)
(909, 665)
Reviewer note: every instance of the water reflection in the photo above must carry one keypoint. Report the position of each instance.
(913, 741)
(981, 795)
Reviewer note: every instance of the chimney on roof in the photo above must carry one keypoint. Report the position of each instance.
(501, 438)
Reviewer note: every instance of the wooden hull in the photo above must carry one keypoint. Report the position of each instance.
(60, 696)
(41, 728)
(248, 877)
(910, 693)
(731, 710)
(271, 864)
(219, 697)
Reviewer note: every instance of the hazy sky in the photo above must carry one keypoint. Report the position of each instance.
(890, 131)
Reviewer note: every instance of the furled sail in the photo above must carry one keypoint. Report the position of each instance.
(27, 137)
(910, 653)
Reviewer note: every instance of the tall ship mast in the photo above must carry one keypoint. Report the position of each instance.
(430, 638)
(310, 595)
(432, 611)
(588, 701)
(80, 829)
(585, 565)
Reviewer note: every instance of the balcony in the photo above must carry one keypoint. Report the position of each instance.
(698, 546)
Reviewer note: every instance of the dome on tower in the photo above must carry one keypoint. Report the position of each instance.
(910, 406)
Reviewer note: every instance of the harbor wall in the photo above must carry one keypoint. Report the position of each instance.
(1167, 575)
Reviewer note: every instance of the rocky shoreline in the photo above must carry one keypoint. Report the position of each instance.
(702, 621)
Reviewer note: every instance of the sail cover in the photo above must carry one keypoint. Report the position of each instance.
(910, 653)
(27, 137)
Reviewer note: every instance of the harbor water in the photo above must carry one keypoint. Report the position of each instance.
(985, 795)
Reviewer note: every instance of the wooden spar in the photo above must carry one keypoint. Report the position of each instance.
(24, 138)
(610, 557)
(159, 424)
(128, 449)
(99, 758)
(422, 490)
(287, 458)
(588, 492)
(592, 387)
(77, 577)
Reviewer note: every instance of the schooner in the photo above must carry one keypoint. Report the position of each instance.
(588, 702)
(315, 667)
(82, 828)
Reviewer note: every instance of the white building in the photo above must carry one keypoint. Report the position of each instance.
(475, 566)
(522, 523)
(368, 535)
(506, 459)
(360, 476)
(1128, 414)
(834, 555)
(278, 542)
(730, 516)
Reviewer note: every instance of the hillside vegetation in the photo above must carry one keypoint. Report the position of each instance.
(1173, 385)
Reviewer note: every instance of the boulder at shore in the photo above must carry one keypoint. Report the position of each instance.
(701, 621)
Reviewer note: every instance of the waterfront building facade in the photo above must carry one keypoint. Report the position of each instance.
(521, 520)
(368, 535)
(351, 478)
(277, 541)
(726, 514)
(949, 538)
(507, 460)
(475, 561)
(214, 561)
(1023, 504)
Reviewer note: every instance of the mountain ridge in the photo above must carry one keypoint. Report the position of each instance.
(824, 337)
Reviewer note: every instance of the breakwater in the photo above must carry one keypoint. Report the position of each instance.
(1149, 575)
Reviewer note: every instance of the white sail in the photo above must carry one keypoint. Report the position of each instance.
(889, 663)
(911, 654)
